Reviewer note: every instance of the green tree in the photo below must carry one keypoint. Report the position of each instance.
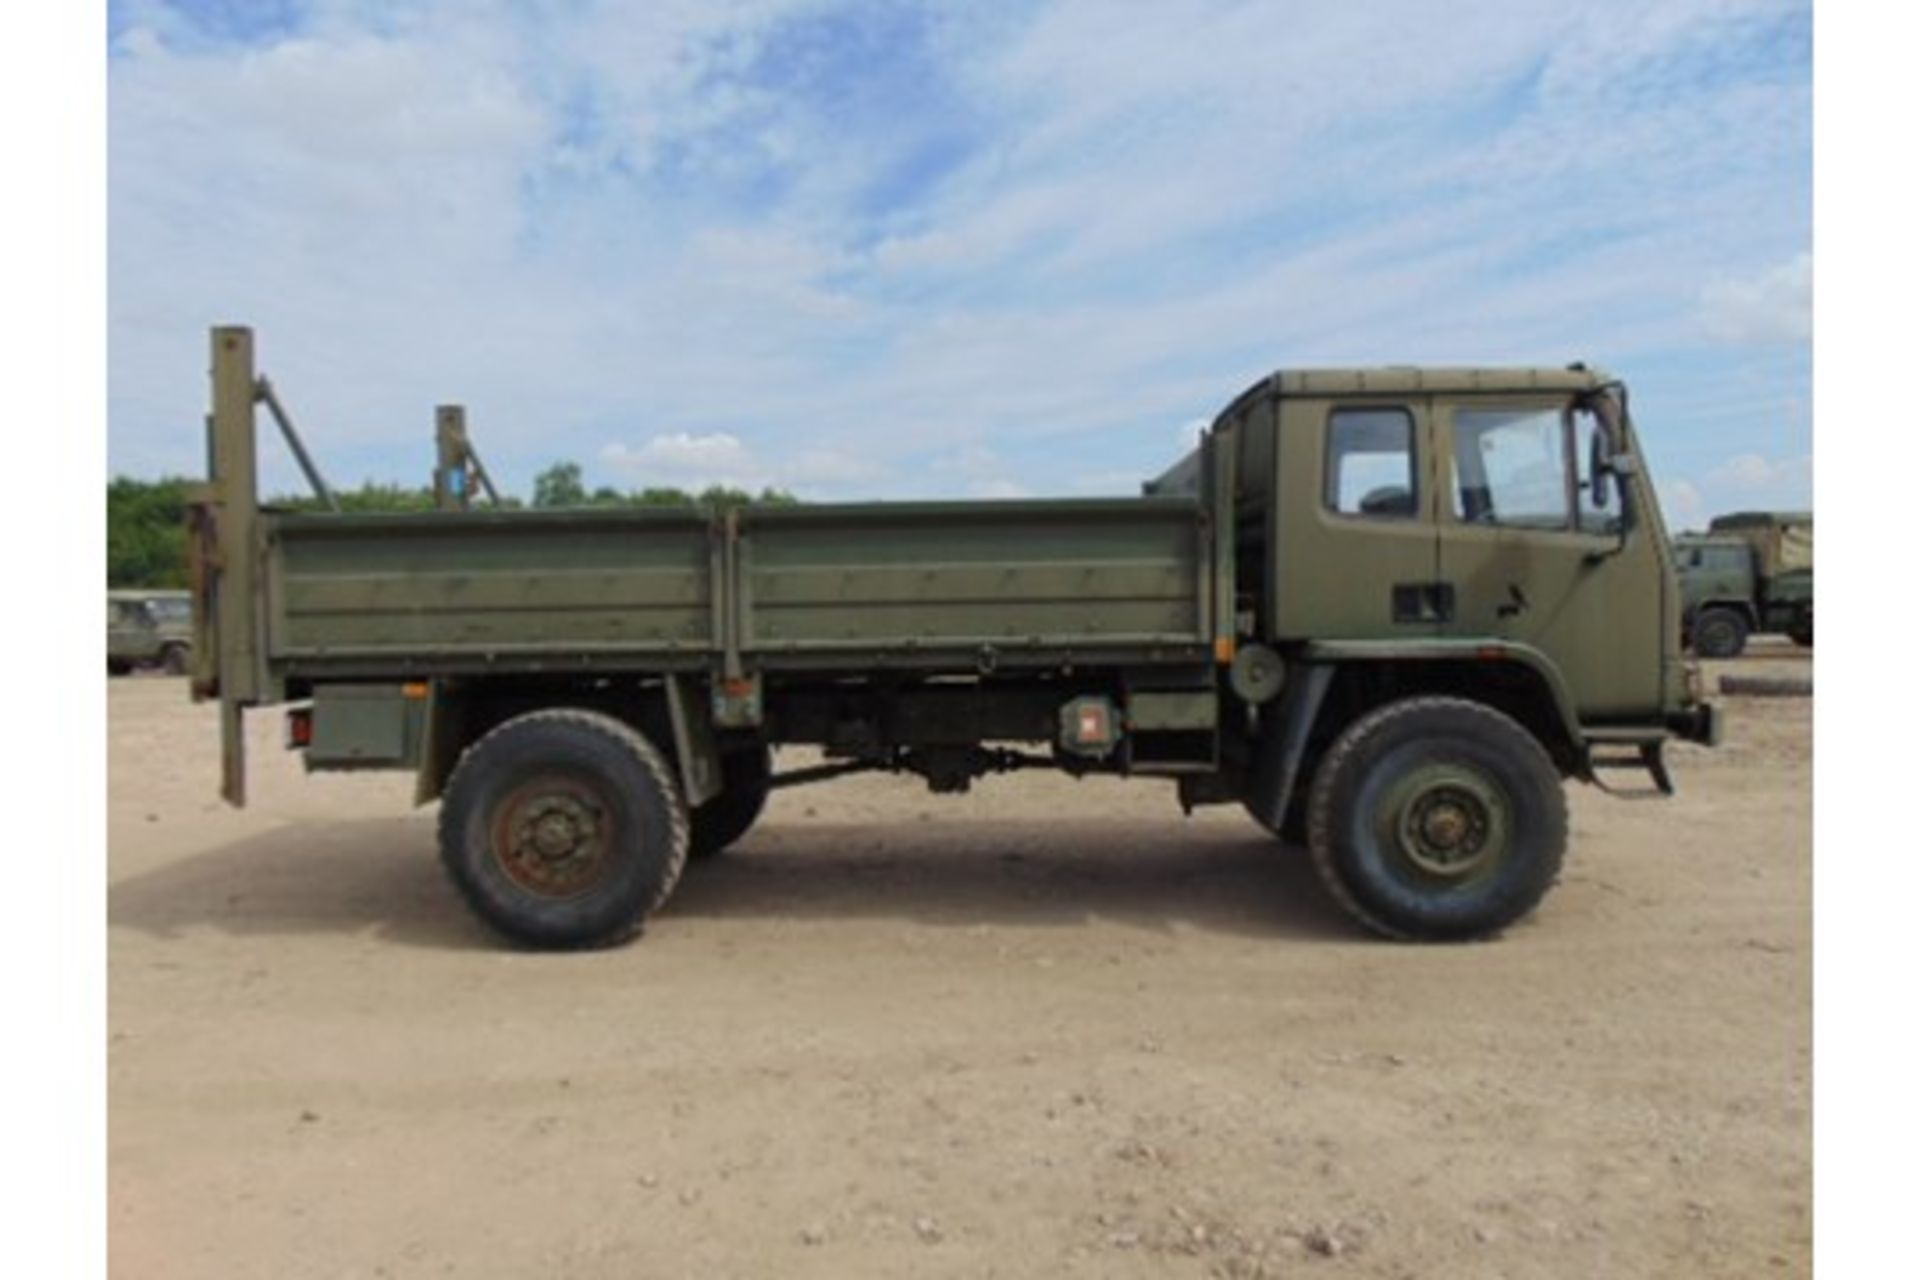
(372, 495)
(659, 496)
(146, 519)
(146, 532)
(562, 485)
(559, 486)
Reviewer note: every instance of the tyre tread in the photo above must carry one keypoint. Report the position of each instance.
(1321, 818)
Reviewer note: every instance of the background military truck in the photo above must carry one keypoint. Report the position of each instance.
(1750, 573)
(149, 629)
(1386, 610)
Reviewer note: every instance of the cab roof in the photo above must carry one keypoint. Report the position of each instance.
(1402, 379)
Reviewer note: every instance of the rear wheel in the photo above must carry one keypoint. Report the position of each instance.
(744, 777)
(173, 659)
(1437, 819)
(563, 829)
(1719, 633)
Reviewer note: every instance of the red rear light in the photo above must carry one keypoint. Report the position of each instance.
(299, 728)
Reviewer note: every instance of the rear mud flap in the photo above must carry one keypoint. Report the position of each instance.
(233, 754)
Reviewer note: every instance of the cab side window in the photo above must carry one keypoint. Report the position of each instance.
(1511, 467)
(1370, 464)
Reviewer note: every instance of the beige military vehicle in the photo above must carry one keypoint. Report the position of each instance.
(149, 629)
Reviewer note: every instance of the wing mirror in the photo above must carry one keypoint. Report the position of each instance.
(1603, 463)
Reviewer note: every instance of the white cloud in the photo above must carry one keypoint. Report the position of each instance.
(1775, 306)
(685, 459)
(814, 471)
(973, 461)
(979, 472)
(1752, 473)
(1682, 505)
(1744, 482)
(683, 451)
(1107, 483)
(669, 217)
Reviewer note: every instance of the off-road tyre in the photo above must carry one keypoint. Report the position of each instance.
(1719, 633)
(175, 659)
(564, 829)
(1406, 774)
(1801, 633)
(119, 667)
(721, 821)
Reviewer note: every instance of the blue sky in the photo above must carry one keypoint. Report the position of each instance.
(892, 249)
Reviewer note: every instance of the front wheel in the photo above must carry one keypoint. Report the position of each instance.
(1802, 633)
(1437, 819)
(1719, 633)
(563, 829)
(174, 659)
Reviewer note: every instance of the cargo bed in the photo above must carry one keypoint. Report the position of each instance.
(907, 584)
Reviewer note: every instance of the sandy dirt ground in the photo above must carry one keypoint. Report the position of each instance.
(1051, 1028)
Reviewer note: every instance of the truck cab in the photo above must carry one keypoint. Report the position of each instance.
(1475, 516)
(1750, 573)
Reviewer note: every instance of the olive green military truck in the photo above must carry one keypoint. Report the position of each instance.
(1388, 611)
(148, 629)
(1751, 573)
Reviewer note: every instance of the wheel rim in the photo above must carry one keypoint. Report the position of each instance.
(1446, 823)
(553, 836)
(1718, 637)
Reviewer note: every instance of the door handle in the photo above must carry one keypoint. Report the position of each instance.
(1423, 602)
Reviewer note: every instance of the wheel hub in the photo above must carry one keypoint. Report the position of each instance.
(1445, 826)
(1449, 823)
(550, 839)
(555, 828)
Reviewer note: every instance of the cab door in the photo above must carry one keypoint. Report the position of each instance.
(1355, 550)
(1536, 554)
